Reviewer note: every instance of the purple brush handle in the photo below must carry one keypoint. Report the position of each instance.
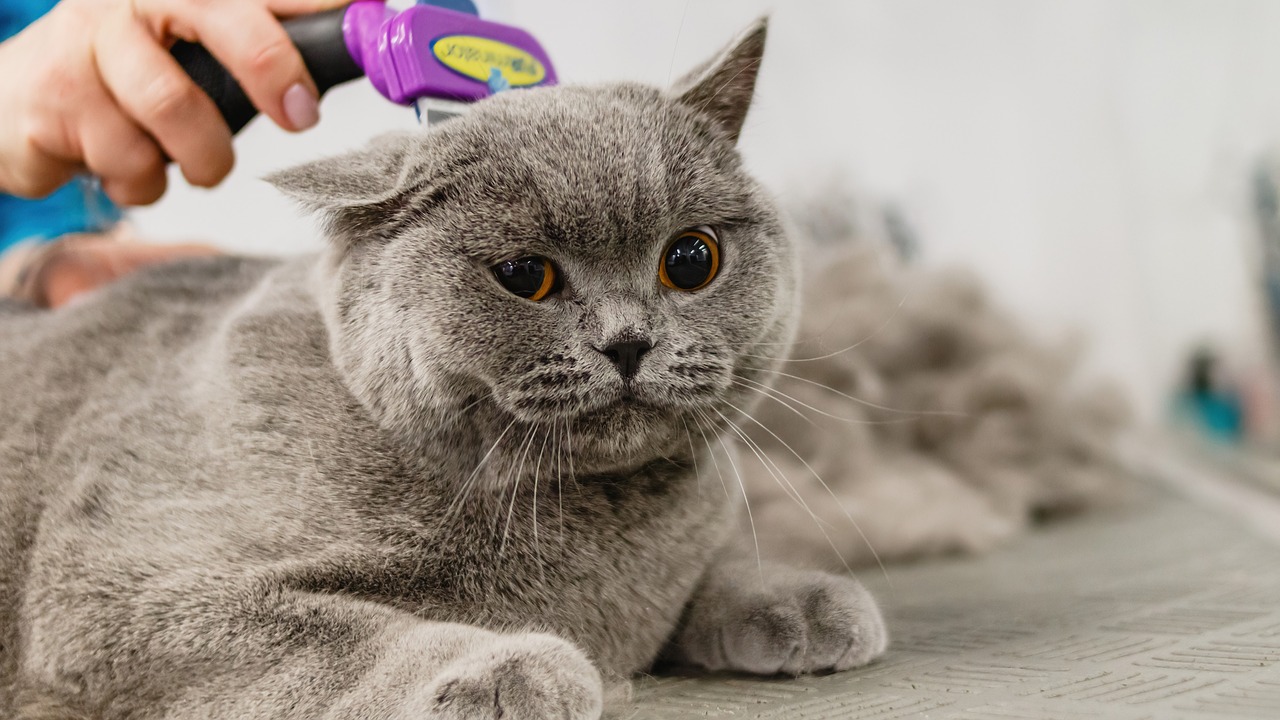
(396, 50)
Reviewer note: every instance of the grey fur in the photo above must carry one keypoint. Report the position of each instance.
(924, 419)
(319, 488)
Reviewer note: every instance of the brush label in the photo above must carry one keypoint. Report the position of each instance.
(479, 58)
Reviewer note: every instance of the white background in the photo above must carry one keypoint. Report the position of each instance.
(1090, 158)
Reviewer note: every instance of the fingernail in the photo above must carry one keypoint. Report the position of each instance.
(301, 107)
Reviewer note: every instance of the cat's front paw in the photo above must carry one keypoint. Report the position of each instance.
(529, 676)
(794, 622)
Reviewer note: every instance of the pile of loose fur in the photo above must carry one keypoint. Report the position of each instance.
(915, 417)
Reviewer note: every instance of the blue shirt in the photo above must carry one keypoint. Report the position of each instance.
(78, 206)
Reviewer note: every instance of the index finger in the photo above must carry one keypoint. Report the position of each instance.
(249, 41)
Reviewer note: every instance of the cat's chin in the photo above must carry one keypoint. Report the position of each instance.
(625, 414)
(627, 432)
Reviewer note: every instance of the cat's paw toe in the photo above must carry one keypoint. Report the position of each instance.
(766, 638)
(519, 677)
(823, 623)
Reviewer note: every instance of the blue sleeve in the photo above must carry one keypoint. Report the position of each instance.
(78, 206)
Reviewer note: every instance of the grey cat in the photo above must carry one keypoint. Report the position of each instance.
(457, 466)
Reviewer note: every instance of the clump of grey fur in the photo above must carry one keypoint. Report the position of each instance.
(937, 423)
(374, 484)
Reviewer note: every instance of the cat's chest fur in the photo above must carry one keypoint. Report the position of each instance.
(207, 431)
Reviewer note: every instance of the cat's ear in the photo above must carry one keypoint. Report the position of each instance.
(362, 178)
(722, 87)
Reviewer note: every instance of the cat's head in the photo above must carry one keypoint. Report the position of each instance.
(590, 265)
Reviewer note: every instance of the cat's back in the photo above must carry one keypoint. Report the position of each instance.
(121, 332)
(123, 351)
(60, 370)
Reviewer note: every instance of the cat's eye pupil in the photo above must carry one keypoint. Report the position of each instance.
(532, 278)
(691, 261)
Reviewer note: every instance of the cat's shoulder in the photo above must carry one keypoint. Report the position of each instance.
(202, 279)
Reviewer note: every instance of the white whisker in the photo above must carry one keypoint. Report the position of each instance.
(465, 489)
(784, 404)
(868, 403)
(537, 471)
(573, 471)
(679, 33)
(697, 474)
(834, 498)
(750, 518)
(782, 480)
(711, 452)
(897, 308)
(766, 389)
(560, 479)
(515, 487)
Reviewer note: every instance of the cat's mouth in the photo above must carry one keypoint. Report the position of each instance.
(629, 429)
(635, 414)
(627, 405)
(625, 423)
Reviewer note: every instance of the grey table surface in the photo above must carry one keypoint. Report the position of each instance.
(1166, 608)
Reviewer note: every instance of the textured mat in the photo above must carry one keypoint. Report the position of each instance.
(1168, 608)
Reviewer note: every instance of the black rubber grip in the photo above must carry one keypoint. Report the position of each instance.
(318, 38)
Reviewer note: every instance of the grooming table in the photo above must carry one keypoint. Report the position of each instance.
(1167, 607)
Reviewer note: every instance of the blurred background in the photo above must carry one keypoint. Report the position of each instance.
(1104, 165)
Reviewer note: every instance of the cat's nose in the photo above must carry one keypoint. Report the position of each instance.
(626, 355)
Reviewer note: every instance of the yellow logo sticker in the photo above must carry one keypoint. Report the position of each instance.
(477, 57)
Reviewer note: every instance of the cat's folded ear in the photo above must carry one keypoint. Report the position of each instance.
(722, 87)
(374, 174)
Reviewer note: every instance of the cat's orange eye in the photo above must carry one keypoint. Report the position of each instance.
(532, 278)
(691, 260)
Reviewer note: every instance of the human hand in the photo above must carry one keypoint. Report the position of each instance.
(55, 273)
(92, 85)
